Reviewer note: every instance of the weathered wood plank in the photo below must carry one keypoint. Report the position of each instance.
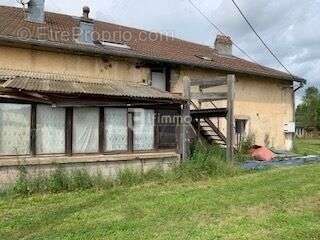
(102, 135)
(209, 96)
(33, 130)
(209, 113)
(206, 83)
(230, 118)
(130, 126)
(185, 124)
(69, 130)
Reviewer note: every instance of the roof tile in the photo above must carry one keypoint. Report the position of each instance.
(161, 48)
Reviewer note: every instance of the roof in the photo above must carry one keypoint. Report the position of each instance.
(72, 84)
(143, 44)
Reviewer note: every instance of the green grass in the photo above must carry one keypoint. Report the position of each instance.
(307, 146)
(276, 204)
(205, 162)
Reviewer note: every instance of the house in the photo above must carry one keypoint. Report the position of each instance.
(82, 92)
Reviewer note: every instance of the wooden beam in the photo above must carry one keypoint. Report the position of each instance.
(22, 97)
(185, 123)
(168, 78)
(130, 126)
(209, 96)
(69, 130)
(230, 118)
(156, 128)
(33, 129)
(101, 131)
(207, 83)
(109, 103)
(209, 113)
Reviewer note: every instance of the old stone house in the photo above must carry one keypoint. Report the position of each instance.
(88, 93)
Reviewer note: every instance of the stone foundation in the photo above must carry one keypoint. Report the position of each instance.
(107, 165)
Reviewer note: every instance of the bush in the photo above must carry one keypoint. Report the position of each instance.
(21, 186)
(246, 144)
(129, 177)
(207, 161)
(59, 180)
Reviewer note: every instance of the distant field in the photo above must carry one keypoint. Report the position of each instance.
(277, 204)
(307, 146)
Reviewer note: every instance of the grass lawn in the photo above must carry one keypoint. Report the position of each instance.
(276, 204)
(307, 146)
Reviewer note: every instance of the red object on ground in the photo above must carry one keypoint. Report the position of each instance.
(261, 153)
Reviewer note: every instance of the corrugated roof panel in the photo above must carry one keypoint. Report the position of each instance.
(38, 82)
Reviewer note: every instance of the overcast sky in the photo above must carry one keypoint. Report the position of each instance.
(290, 27)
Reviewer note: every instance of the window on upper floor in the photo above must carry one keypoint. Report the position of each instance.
(160, 78)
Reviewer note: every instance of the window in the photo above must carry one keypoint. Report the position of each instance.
(167, 122)
(85, 137)
(81, 130)
(159, 80)
(113, 44)
(241, 126)
(15, 122)
(50, 136)
(240, 129)
(143, 129)
(116, 129)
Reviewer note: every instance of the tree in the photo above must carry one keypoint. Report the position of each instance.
(308, 112)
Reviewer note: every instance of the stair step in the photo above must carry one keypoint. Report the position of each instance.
(208, 131)
(216, 140)
(206, 127)
(211, 135)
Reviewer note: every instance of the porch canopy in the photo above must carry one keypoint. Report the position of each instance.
(43, 113)
(76, 90)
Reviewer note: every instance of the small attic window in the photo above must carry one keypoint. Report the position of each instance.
(205, 58)
(112, 44)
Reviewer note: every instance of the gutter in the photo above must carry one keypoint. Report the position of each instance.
(300, 86)
(91, 49)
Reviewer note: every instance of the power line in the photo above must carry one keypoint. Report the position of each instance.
(220, 31)
(260, 38)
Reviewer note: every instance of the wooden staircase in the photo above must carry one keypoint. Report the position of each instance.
(215, 90)
(206, 128)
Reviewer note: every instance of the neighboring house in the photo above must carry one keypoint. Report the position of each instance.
(88, 93)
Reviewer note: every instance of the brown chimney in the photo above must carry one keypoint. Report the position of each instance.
(223, 45)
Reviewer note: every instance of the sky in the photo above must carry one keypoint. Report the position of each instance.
(289, 27)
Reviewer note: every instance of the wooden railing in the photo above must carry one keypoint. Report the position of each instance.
(212, 97)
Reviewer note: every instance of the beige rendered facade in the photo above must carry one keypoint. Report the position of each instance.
(266, 104)
(81, 93)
